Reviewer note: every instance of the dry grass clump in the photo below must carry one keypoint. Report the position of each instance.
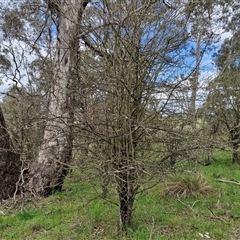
(187, 186)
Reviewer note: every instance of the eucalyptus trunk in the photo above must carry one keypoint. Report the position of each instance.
(194, 83)
(10, 164)
(52, 164)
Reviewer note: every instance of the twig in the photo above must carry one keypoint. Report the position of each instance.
(147, 188)
(195, 203)
(215, 216)
(188, 206)
(19, 185)
(85, 204)
(227, 181)
(152, 228)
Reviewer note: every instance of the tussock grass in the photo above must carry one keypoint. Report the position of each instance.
(184, 186)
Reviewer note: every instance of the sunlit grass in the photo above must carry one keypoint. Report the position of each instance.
(79, 213)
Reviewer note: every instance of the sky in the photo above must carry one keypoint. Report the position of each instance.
(207, 67)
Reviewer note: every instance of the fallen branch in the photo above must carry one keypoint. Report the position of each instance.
(227, 181)
(188, 206)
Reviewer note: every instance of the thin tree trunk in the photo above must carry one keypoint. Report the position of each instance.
(126, 204)
(235, 140)
(10, 164)
(51, 166)
(235, 153)
(126, 193)
(194, 83)
(235, 143)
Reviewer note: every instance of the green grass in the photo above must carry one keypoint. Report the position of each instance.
(78, 212)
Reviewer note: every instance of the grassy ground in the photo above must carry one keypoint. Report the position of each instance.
(78, 212)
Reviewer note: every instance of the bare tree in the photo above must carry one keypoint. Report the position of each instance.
(135, 46)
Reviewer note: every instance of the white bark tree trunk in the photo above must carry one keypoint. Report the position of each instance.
(51, 166)
(194, 83)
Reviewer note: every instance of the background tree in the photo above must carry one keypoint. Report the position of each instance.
(224, 102)
(10, 164)
(25, 110)
(202, 24)
(187, 137)
(25, 103)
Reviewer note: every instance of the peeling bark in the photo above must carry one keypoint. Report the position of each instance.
(51, 166)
